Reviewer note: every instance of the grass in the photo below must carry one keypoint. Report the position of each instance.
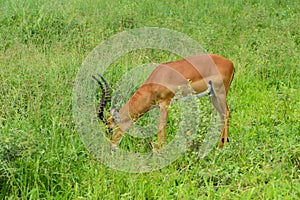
(43, 44)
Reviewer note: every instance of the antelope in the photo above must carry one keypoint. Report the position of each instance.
(160, 88)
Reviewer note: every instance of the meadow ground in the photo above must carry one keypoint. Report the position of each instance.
(43, 44)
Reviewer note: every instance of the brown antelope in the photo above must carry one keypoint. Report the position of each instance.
(160, 87)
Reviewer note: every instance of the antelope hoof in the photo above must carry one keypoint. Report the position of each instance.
(156, 147)
(153, 145)
(223, 140)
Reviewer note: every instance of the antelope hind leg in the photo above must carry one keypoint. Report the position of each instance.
(219, 102)
(224, 135)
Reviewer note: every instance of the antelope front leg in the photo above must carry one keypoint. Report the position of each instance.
(163, 117)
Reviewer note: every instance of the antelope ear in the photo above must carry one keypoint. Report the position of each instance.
(113, 110)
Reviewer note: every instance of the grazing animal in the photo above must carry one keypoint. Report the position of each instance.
(160, 87)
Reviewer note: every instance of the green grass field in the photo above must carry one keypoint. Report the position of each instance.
(42, 47)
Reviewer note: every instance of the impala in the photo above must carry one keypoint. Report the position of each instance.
(197, 72)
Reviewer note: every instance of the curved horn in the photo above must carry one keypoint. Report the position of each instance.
(105, 97)
(107, 89)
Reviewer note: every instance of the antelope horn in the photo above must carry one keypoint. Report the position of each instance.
(107, 89)
(105, 97)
